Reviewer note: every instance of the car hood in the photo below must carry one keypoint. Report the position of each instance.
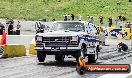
(61, 33)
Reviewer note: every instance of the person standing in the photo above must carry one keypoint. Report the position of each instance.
(18, 28)
(1, 28)
(72, 16)
(110, 21)
(18, 25)
(79, 17)
(7, 21)
(129, 24)
(65, 17)
(101, 20)
(123, 18)
(10, 27)
(90, 19)
(103, 38)
(68, 17)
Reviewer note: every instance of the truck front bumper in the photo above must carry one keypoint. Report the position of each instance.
(51, 50)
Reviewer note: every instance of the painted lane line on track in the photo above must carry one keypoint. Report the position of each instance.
(106, 54)
(117, 75)
(115, 59)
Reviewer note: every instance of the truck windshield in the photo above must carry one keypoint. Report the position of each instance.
(71, 26)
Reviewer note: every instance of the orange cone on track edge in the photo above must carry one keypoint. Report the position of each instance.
(3, 39)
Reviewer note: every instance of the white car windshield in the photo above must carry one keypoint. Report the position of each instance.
(71, 26)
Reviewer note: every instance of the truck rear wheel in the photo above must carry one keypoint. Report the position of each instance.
(59, 58)
(91, 58)
(41, 56)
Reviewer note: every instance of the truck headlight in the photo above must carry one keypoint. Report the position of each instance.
(39, 38)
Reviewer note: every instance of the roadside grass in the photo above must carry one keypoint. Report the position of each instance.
(49, 9)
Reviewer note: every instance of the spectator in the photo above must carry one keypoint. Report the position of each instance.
(10, 27)
(7, 22)
(68, 17)
(72, 16)
(18, 28)
(103, 38)
(18, 25)
(53, 20)
(126, 25)
(98, 30)
(101, 29)
(90, 19)
(129, 24)
(101, 20)
(1, 28)
(79, 17)
(65, 17)
(120, 18)
(123, 18)
(122, 24)
(110, 21)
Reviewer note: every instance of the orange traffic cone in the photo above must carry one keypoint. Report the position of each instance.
(3, 40)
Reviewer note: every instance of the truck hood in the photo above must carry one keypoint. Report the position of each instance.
(61, 33)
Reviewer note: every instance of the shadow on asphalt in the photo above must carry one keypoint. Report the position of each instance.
(60, 64)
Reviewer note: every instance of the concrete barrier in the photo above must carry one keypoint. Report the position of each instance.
(13, 40)
(14, 50)
(20, 39)
(32, 47)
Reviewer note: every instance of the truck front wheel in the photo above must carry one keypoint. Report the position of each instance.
(41, 56)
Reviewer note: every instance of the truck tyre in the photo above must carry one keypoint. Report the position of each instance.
(41, 56)
(91, 58)
(59, 58)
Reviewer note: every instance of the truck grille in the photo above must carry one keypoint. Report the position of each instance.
(56, 40)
